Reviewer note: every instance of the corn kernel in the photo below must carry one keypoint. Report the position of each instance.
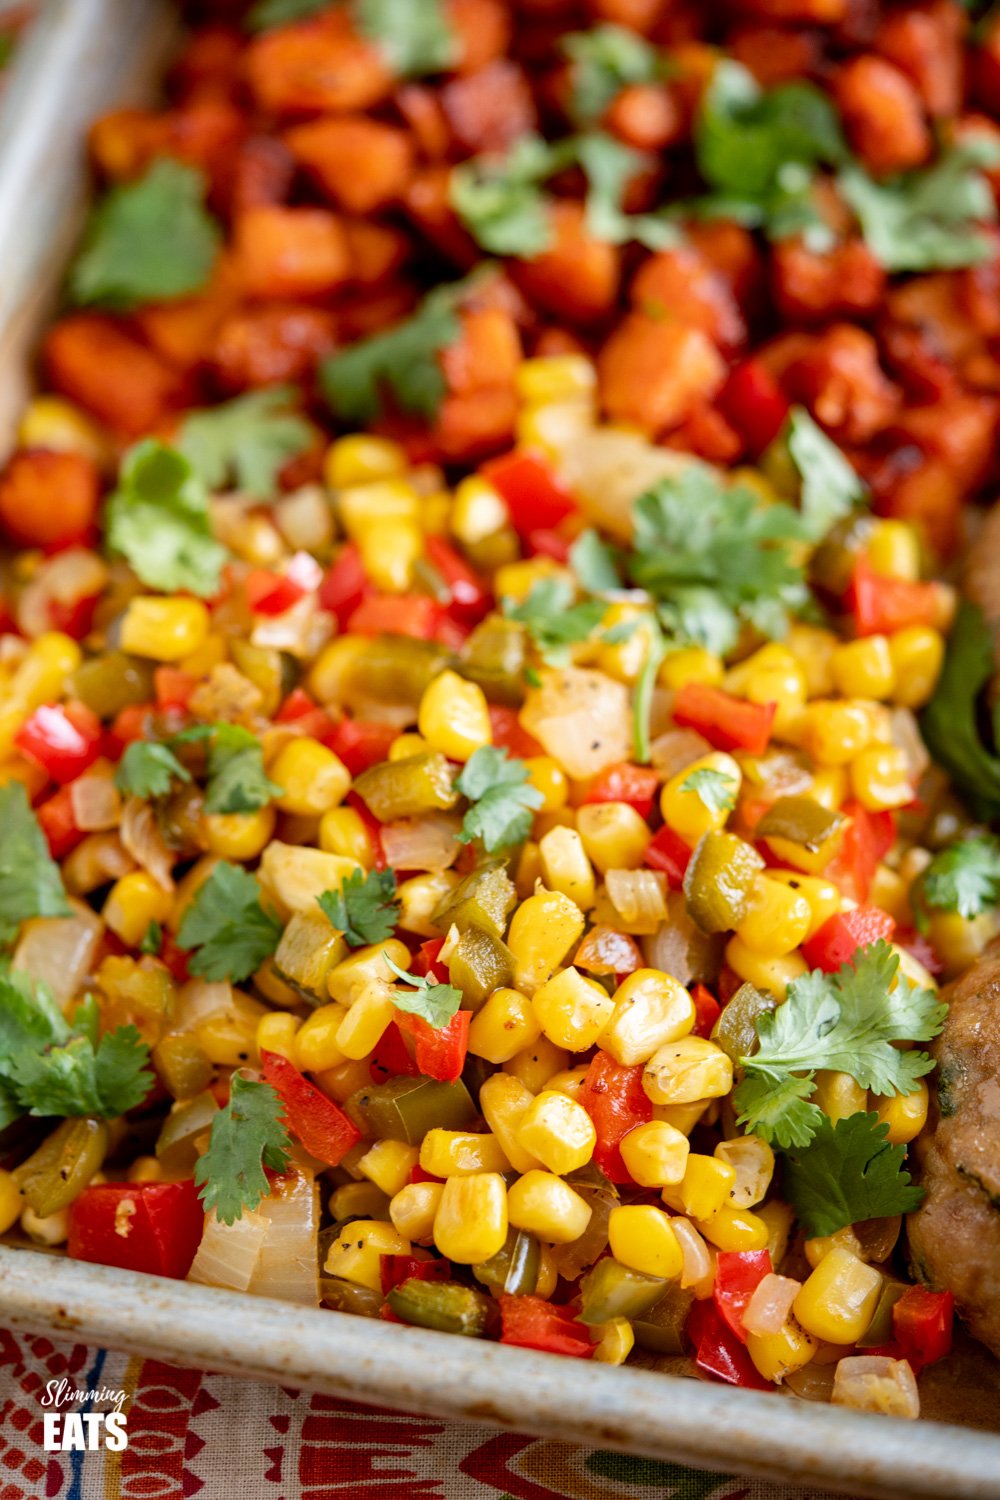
(550, 780)
(369, 507)
(771, 675)
(312, 778)
(917, 657)
(503, 1026)
(478, 511)
(542, 931)
(358, 1200)
(364, 1025)
(144, 1169)
(48, 1229)
(360, 458)
(819, 1247)
(454, 716)
(504, 1101)
(682, 806)
(570, 1081)
(388, 1165)
(555, 377)
(822, 895)
(893, 550)
(753, 1162)
(905, 1114)
(389, 552)
(889, 891)
(777, 918)
(778, 1219)
(691, 664)
(565, 866)
(833, 732)
(414, 1208)
(838, 1300)
(11, 1201)
(683, 1117)
(342, 831)
(316, 1047)
(838, 1094)
(735, 1229)
(133, 902)
(813, 649)
(419, 898)
(614, 835)
(535, 1064)
(356, 1255)
(776, 1355)
(238, 835)
(655, 1154)
(337, 667)
(544, 1204)
(616, 1342)
(164, 629)
(294, 877)
(642, 1239)
(704, 1189)
(560, 1133)
(554, 426)
(863, 668)
(212, 652)
(345, 1079)
(624, 660)
(355, 974)
(229, 1037)
(515, 580)
(276, 1033)
(650, 1010)
(470, 1225)
(766, 972)
(688, 1069)
(572, 1009)
(461, 1153)
(880, 778)
(957, 940)
(59, 426)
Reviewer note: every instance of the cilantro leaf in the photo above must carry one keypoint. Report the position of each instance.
(148, 769)
(152, 239)
(248, 440)
(30, 880)
(436, 1003)
(237, 781)
(228, 926)
(30, 1016)
(79, 1079)
(846, 1022)
(594, 563)
(502, 801)
(848, 1173)
(715, 789)
(266, 14)
(964, 878)
(415, 39)
(552, 620)
(499, 199)
(830, 487)
(158, 520)
(248, 1134)
(152, 939)
(642, 697)
(609, 166)
(603, 61)
(401, 362)
(950, 722)
(363, 909)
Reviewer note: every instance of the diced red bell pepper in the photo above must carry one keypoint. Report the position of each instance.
(439, 1052)
(707, 1009)
(65, 739)
(396, 1269)
(416, 615)
(867, 839)
(883, 605)
(753, 402)
(173, 687)
(345, 585)
(427, 960)
(509, 734)
(76, 619)
(738, 1274)
(922, 1322)
(470, 598)
(625, 782)
(717, 1350)
(176, 959)
(616, 1101)
(373, 828)
(360, 744)
(391, 1059)
(840, 937)
(298, 708)
(131, 723)
(728, 723)
(417, 1174)
(545, 543)
(668, 852)
(58, 823)
(314, 1119)
(535, 499)
(270, 593)
(154, 1227)
(533, 1323)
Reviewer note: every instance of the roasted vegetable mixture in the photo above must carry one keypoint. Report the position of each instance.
(491, 773)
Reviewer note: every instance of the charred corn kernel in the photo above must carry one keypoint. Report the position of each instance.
(460, 1153)
(471, 1221)
(504, 1101)
(542, 931)
(572, 1009)
(377, 504)
(335, 669)
(311, 777)
(691, 664)
(164, 629)
(48, 1230)
(555, 377)
(545, 1205)
(345, 1079)
(565, 866)
(276, 1033)
(361, 459)
(133, 902)
(536, 1063)
(778, 1218)
(917, 657)
(614, 835)
(553, 426)
(735, 1229)
(625, 659)
(503, 1026)
(363, 1027)
(558, 1131)
(650, 1009)
(776, 1355)
(880, 778)
(354, 974)
(891, 892)
(315, 1048)
(570, 1081)
(616, 1342)
(838, 1095)
(388, 1164)
(813, 649)
(894, 550)
(293, 876)
(704, 1189)
(753, 1162)
(833, 732)
(683, 807)
(905, 1114)
(838, 1300)
(777, 918)
(52, 423)
(642, 1239)
(11, 1201)
(342, 831)
(389, 551)
(819, 1247)
(238, 835)
(822, 895)
(863, 668)
(413, 1210)
(145, 1169)
(454, 716)
(683, 1117)
(550, 780)
(356, 1254)
(655, 1154)
(419, 897)
(688, 1069)
(829, 787)
(766, 972)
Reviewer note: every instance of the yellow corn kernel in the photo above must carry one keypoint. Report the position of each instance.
(454, 716)
(683, 808)
(542, 931)
(771, 675)
(774, 974)
(565, 866)
(372, 506)
(863, 668)
(337, 667)
(813, 649)
(276, 1033)
(515, 580)
(829, 787)
(555, 377)
(269, 983)
(616, 1342)
(822, 895)
(838, 1095)
(315, 1047)
(414, 1208)
(880, 778)
(345, 1079)
(535, 1064)
(365, 966)
(360, 458)
(572, 1009)
(545, 1205)
(212, 652)
(364, 1025)
(133, 902)
(544, 822)
(311, 777)
(777, 918)
(461, 1153)
(819, 1247)
(957, 940)
(529, 870)
(470, 1225)
(358, 1200)
(776, 1355)
(294, 876)
(11, 1201)
(905, 1114)
(691, 664)
(405, 745)
(688, 1069)
(548, 778)
(478, 511)
(753, 1162)
(52, 423)
(642, 1239)
(624, 660)
(704, 1189)
(893, 550)
(917, 657)
(342, 831)
(838, 1300)
(891, 892)
(504, 1101)
(164, 629)
(435, 513)
(614, 835)
(655, 1154)
(503, 1026)
(833, 732)
(683, 1117)
(419, 897)
(145, 1169)
(356, 1255)
(229, 1036)
(650, 1009)
(553, 426)
(735, 1229)
(238, 835)
(388, 1164)
(389, 551)
(570, 1081)
(558, 1131)
(48, 1229)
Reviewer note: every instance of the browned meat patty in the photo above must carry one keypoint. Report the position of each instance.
(955, 1235)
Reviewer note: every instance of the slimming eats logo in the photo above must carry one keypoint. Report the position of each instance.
(69, 1429)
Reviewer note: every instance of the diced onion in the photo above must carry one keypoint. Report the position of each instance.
(96, 802)
(288, 1265)
(69, 577)
(200, 999)
(771, 1303)
(582, 720)
(140, 833)
(97, 859)
(608, 470)
(301, 631)
(605, 950)
(753, 1162)
(872, 1382)
(305, 519)
(60, 951)
(677, 749)
(639, 898)
(697, 1266)
(229, 1254)
(425, 843)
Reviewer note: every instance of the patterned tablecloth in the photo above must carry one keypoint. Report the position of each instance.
(191, 1433)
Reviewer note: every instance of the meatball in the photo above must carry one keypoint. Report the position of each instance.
(955, 1235)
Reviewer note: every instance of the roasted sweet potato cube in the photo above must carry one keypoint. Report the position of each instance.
(653, 372)
(47, 499)
(361, 164)
(316, 66)
(290, 252)
(269, 344)
(577, 277)
(89, 358)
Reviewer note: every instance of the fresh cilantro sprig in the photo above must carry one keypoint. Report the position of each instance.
(415, 39)
(158, 520)
(964, 878)
(435, 1002)
(715, 789)
(237, 781)
(849, 1172)
(502, 800)
(609, 166)
(247, 1135)
(595, 563)
(364, 908)
(830, 489)
(846, 1022)
(30, 880)
(227, 926)
(605, 60)
(552, 620)
(951, 722)
(246, 441)
(148, 769)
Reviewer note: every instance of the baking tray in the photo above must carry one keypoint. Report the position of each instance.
(80, 58)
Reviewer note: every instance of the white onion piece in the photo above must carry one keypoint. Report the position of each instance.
(771, 1303)
(97, 859)
(753, 1162)
(288, 1266)
(608, 469)
(140, 833)
(302, 631)
(697, 1264)
(96, 801)
(70, 576)
(229, 1253)
(872, 1382)
(582, 719)
(677, 749)
(305, 518)
(201, 999)
(427, 843)
(907, 737)
(60, 951)
(639, 898)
